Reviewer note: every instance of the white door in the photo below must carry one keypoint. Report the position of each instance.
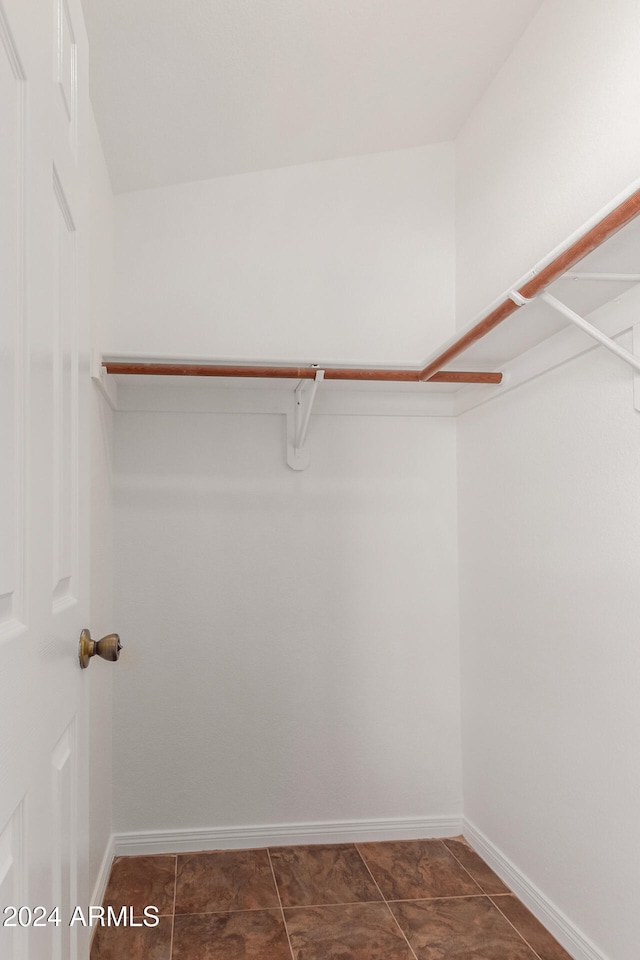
(43, 477)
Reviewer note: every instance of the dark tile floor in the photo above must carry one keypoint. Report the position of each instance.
(398, 900)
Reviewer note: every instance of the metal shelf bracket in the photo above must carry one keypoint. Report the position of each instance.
(602, 338)
(298, 456)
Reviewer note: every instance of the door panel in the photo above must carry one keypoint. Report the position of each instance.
(44, 383)
(13, 879)
(65, 841)
(12, 355)
(64, 403)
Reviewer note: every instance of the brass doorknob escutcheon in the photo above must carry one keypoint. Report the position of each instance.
(108, 648)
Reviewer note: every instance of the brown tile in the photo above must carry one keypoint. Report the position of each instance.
(225, 880)
(416, 869)
(357, 931)
(475, 865)
(315, 875)
(141, 882)
(133, 943)
(249, 935)
(465, 928)
(546, 946)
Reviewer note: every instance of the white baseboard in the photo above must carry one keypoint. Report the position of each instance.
(103, 874)
(565, 932)
(101, 881)
(286, 834)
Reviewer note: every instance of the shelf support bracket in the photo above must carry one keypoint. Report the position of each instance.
(602, 338)
(616, 277)
(298, 456)
(99, 376)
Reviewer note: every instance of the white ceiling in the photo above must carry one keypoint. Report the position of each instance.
(192, 89)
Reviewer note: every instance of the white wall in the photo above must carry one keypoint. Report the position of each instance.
(101, 532)
(342, 261)
(548, 489)
(291, 649)
(554, 139)
(550, 606)
(290, 638)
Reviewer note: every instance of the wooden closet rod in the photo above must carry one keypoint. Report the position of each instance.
(623, 214)
(619, 217)
(297, 373)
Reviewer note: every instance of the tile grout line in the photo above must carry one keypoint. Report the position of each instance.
(456, 896)
(489, 897)
(386, 902)
(284, 919)
(217, 913)
(353, 903)
(341, 903)
(521, 935)
(173, 915)
(459, 862)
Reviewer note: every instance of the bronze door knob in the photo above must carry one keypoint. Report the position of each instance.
(108, 648)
